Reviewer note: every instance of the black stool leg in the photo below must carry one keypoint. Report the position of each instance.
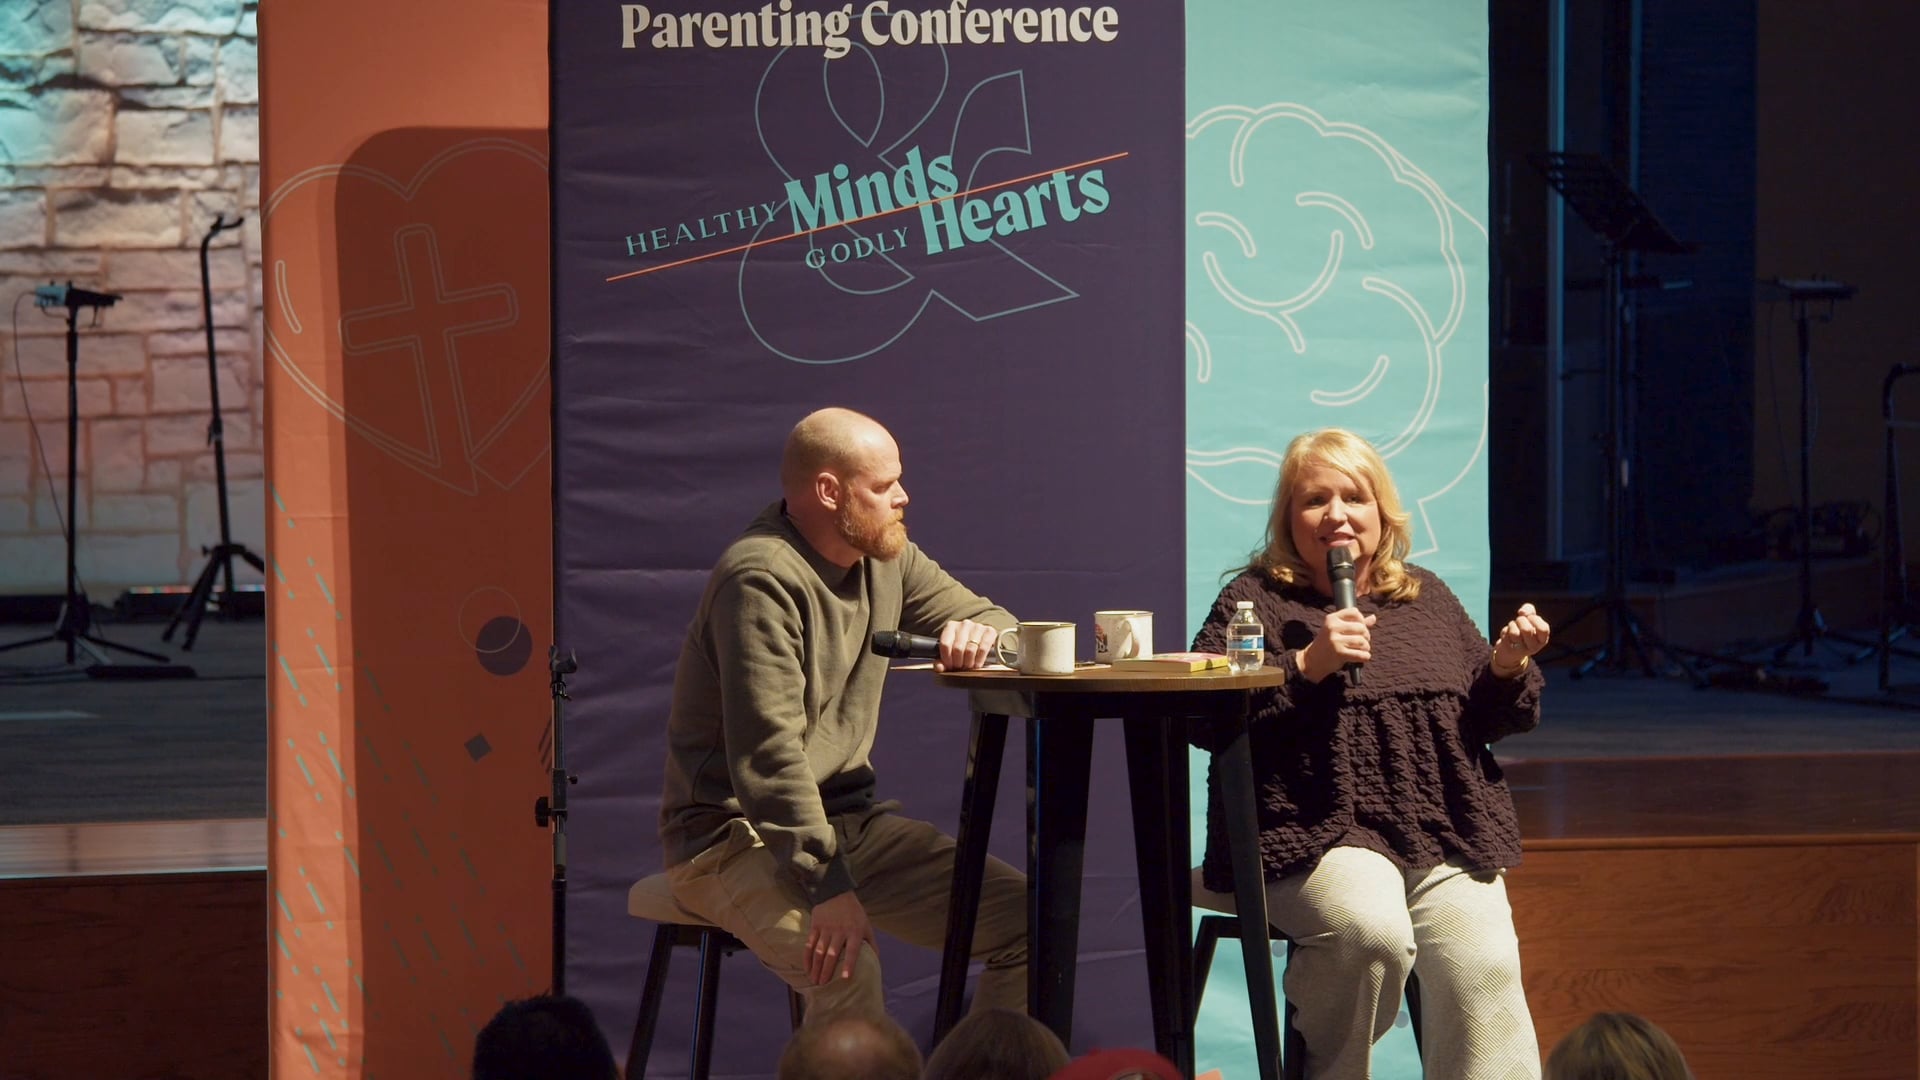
(1212, 929)
(707, 1002)
(1293, 1046)
(1413, 1011)
(655, 991)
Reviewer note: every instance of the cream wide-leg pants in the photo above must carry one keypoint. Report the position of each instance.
(1359, 925)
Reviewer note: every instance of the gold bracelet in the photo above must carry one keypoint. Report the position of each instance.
(1516, 672)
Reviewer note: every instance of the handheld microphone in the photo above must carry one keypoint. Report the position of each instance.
(902, 645)
(1341, 572)
(69, 295)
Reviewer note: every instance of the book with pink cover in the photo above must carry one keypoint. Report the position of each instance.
(1174, 662)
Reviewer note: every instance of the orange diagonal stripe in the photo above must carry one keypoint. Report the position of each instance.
(869, 217)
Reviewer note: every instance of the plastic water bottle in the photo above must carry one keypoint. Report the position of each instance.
(1246, 639)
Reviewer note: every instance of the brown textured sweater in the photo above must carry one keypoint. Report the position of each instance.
(1398, 764)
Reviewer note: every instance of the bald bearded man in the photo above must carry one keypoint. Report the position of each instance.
(769, 818)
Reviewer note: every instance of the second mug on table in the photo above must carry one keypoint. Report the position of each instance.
(1037, 648)
(1122, 635)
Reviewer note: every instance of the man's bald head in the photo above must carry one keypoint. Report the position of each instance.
(840, 477)
(853, 1045)
(833, 440)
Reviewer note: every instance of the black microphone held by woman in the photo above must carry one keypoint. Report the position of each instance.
(1340, 572)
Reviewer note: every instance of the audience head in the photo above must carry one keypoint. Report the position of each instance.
(543, 1038)
(997, 1044)
(1617, 1046)
(1119, 1065)
(851, 1044)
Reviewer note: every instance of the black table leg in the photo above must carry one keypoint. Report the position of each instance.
(1235, 770)
(1059, 760)
(985, 750)
(1157, 778)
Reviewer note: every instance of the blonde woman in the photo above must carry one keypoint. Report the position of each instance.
(1385, 827)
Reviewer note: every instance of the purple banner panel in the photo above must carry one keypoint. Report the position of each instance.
(963, 220)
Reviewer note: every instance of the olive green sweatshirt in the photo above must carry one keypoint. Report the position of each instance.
(777, 696)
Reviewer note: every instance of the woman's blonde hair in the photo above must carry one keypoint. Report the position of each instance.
(1345, 452)
(1617, 1046)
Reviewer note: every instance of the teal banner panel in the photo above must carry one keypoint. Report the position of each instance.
(1336, 277)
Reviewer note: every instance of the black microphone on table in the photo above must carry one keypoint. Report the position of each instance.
(1340, 571)
(902, 645)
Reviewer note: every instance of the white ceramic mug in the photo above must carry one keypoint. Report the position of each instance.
(1037, 648)
(1122, 635)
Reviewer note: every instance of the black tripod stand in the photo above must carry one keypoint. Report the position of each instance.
(551, 811)
(1808, 625)
(219, 558)
(1623, 225)
(1896, 605)
(75, 623)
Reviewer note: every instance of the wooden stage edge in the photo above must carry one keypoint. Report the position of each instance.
(106, 923)
(1763, 909)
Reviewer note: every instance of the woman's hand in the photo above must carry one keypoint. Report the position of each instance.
(1344, 638)
(1527, 633)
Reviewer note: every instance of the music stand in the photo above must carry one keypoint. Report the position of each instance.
(1808, 625)
(219, 557)
(75, 624)
(1623, 224)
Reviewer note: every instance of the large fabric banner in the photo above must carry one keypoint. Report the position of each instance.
(409, 528)
(1336, 270)
(963, 220)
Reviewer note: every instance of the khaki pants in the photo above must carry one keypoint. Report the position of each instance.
(904, 869)
(1359, 925)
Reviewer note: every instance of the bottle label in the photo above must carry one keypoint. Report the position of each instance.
(1250, 643)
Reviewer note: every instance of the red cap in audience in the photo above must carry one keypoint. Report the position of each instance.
(1112, 1064)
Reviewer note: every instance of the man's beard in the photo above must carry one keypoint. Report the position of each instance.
(883, 540)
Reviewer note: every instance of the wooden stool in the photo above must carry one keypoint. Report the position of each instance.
(1293, 1045)
(652, 899)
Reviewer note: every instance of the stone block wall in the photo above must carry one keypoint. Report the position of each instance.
(126, 126)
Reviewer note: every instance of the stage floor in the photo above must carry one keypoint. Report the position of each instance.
(1739, 865)
(82, 750)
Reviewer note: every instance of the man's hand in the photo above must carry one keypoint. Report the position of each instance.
(965, 645)
(839, 926)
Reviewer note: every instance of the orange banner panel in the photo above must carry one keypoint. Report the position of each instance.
(404, 200)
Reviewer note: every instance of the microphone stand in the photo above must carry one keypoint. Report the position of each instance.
(1809, 625)
(1624, 225)
(75, 624)
(1896, 606)
(219, 558)
(551, 811)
